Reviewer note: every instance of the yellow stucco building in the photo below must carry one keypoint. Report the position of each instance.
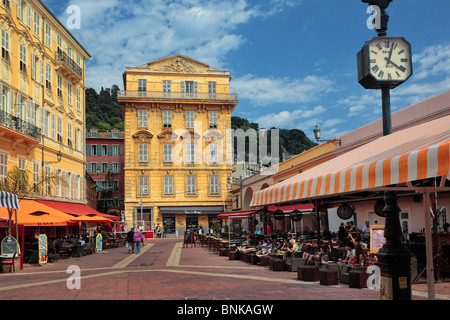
(42, 105)
(177, 154)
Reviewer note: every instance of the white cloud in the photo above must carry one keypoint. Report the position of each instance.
(432, 61)
(267, 90)
(291, 119)
(128, 33)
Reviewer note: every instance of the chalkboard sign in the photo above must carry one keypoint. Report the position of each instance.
(9, 245)
(377, 238)
(189, 238)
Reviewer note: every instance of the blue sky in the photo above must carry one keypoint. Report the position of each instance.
(293, 62)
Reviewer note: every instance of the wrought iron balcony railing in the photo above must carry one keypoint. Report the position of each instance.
(177, 95)
(62, 56)
(19, 125)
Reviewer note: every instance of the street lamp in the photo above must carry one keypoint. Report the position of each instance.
(58, 157)
(317, 136)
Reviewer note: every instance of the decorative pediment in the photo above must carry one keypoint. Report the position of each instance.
(178, 64)
(70, 114)
(189, 134)
(212, 135)
(142, 137)
(168, 136)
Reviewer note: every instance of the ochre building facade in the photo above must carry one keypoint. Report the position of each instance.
(42, 105)
(178, 162)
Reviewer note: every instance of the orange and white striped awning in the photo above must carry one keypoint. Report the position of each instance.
(415, 153)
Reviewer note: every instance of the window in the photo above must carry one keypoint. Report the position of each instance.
(59, 86)
(78, 100)
(143, 185)
(191, 185)
(44, 121)
(105, 168)
(23, 59)
(21, 10)
(53, 126)
(189, 88)
(213, 119)
(69, 93)
(116, 150)
(28, 16)
(48, 76)
(37, 26)
(35, 175)
(190, 153)
(213, 153)
(33, 66)
(190, 116)
(22, 163)
(5, 45)
(59, 126)
(3, 166)
(167, 88)
(104, 150)
(168, 185)
(143, 153)
(167, 119)
(115, 167)
(48, 35)
(214, 185)
(142, 115)
(167, 153)
(69, 134)
(212, 89)
(142, 86)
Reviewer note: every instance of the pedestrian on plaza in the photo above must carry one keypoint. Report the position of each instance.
(130, 240)
(138, 238)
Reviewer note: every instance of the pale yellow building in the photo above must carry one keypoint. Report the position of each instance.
(177, 153)
(42, 101)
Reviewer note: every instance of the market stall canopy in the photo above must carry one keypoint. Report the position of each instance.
(91, 218)
(9, 200)
(76, 209)
(416, 153)
(33, 213)
(237, 214)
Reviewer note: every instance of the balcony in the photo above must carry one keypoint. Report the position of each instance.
(68, 67)
(19, 127)
(155, 95)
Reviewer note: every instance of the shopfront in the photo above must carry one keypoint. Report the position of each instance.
(180, 219)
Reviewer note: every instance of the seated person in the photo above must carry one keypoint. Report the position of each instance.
(314, 257)
(294, 247)
(350, 253)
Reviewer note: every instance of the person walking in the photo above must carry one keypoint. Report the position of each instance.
(130, 240)
(138, 239)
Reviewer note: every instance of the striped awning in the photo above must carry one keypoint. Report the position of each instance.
(415, 153)
(9, 200)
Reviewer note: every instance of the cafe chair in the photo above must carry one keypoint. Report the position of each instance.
(10, 263)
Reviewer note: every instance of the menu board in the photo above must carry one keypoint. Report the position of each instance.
(188, 237)
(9, 245)
(377, 238)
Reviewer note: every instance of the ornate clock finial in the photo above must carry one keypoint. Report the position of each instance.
(384, 19)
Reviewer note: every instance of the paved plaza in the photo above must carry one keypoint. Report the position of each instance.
(164, 270)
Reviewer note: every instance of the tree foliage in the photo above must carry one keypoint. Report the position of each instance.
(103, 112)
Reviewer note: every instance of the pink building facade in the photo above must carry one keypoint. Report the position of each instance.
(105, 164)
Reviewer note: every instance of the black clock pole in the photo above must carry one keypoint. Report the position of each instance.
(394, 259)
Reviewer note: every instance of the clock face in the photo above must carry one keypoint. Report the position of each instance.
(390, 59)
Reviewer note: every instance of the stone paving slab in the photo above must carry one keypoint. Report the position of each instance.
(166, 271)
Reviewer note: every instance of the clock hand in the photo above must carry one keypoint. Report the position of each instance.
(390, 54)
(401, 68)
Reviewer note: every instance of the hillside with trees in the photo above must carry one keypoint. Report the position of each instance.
(105, 113)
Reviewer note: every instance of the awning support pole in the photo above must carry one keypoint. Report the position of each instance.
(428, 246)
